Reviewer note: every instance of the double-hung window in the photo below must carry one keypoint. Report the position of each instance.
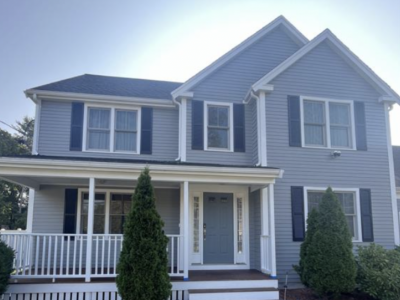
(328, 123)
(218, 127)
(349, 203)
(112, 130)
(120, 205)
(99, 212)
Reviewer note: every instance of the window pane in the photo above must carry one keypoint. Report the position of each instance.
(116, 207)
(314, 112)
(213, 116)
(115, 224)
(99, 207)
(127, 206)
(84, 224)
(99, 118)
(98, 225)
(126, 120)
(223, 116)
(314, 135)
(339, 114)
(217, 138)
(340, 136)
(99, 140)
(351, 223)
(125, 141)
(314, 198)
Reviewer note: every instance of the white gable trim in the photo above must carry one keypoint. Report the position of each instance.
(292, 31)
(345, 52)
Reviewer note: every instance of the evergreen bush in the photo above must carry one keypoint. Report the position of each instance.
(6, 262)
(143, 263)
(329, 263)
(379, 272)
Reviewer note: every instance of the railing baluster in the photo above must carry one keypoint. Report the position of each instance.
(109, 254)
(178, 263)
(68, 253)
(43, 253)
(80, 255)
(102, 256)
(55, 255)
(49, 256)
(97, 255)
(115, 255)
(37, 254)
(74, 262)
(61, 256)
(172, 254)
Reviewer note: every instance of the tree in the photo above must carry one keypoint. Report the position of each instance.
(14, 198)
(329, 263)
(6, 262)
(312, 226)
(143, 264)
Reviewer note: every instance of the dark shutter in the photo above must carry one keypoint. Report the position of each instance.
(238, 128)
(298, 220)
(146, 131)
(366, 215)
(294, 121)
(71, 202)
(76, 126)
(197, 125)
(361, 127)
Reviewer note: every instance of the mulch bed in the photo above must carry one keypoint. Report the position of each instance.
(307, 294)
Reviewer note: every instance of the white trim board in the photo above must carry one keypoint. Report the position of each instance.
(292, 31)
(345, 53)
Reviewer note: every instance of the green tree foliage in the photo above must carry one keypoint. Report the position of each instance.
(329, 262)
(379, 272)
(6, 260)
(14, 198)
(143, 264)
(301, 269)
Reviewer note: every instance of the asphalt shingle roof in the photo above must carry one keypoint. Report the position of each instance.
(396, 158)
(113, 86)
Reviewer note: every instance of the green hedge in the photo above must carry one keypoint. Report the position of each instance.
(379, 272)
(6, 261)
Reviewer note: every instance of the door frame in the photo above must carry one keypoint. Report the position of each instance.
(241, 260)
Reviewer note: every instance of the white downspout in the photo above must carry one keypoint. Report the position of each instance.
(252, 95)
(35, 143)
(180, 129)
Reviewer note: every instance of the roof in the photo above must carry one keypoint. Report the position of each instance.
(292, 31)
(350, 57)
(132, 161)
(112, 86)
(396, 158)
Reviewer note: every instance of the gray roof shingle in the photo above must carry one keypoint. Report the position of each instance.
(396, 158)
(113, 86)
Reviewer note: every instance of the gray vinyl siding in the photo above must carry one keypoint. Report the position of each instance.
(55, 127)
(231, 83)
(322, 73)
(48, 215)
(255, 229)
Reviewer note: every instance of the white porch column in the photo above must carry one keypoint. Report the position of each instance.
(90, 230)
(271, 199)
(29, 219)
(186, 239)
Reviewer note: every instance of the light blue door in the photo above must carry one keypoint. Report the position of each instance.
(218, 228)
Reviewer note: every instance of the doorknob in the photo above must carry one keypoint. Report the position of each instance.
(204, 231)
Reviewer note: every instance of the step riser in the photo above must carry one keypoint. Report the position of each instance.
(271, 295)
(232, 284)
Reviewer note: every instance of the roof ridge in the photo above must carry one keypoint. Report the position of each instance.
(131, 78)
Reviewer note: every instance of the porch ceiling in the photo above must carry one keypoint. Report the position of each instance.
(34, 172)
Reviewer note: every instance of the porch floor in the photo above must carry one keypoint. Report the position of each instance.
(198, 275)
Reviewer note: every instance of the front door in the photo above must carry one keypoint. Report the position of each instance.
(218, 228)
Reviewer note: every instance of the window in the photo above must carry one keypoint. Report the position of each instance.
(328, 123)
(99, 129)
(218, 131)
(113, 130)
(120, 205)
(348, 201)
(99, 212)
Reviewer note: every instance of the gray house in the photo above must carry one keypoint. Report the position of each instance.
(238, 154)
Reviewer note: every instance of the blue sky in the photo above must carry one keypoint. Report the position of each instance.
(43, 41)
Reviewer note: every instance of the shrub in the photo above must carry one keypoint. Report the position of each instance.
(329, 261)
(379, 272)
(143, 264)
(6, 261)
(301, 269)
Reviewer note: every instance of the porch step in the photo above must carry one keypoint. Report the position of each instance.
(235, 294)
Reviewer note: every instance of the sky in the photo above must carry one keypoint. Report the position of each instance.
(43, 41)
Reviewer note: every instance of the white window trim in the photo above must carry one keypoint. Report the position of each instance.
(356, 191)
(327, 123)
(113, 109)
(230, 107)
(107, 203)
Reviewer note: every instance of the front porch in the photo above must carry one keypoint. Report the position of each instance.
(216, 218)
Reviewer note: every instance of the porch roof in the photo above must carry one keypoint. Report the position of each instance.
(34, 171)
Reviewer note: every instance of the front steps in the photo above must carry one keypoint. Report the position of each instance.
(235, 294)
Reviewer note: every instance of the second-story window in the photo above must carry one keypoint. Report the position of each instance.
(218, 127)
(112, 130)
(328, 123)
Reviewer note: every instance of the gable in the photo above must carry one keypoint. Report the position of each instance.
(232, 81)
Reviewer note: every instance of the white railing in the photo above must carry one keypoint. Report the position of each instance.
(266, 264)
(64, 255)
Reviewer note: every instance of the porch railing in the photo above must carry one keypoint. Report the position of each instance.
(64, 255)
